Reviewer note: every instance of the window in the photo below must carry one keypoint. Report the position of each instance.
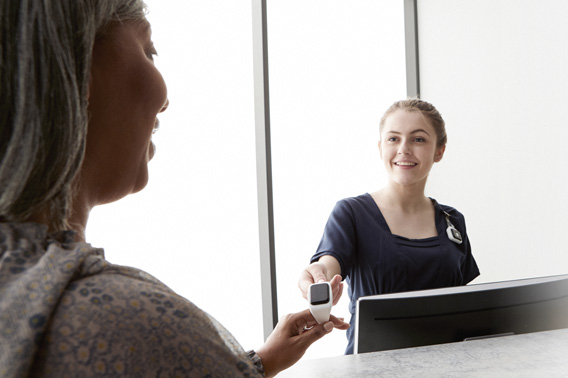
(334, 68)
(195, 226)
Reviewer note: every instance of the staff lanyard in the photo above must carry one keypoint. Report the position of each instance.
(453, 234)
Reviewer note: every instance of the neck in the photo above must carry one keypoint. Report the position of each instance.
(77, 221)
(405, 198)
(79, 218)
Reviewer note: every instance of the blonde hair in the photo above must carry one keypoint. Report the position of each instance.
(426, 110)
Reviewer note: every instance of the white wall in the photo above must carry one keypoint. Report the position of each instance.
(496, 69)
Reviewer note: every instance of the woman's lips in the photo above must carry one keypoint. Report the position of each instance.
(405, 164)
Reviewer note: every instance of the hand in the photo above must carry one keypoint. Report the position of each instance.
(317, 272)
(292, 336)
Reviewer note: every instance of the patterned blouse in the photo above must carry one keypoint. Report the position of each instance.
(67, 312)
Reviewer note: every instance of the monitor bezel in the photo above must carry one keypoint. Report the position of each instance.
(464, 299)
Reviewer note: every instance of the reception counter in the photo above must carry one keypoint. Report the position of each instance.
(539, 354)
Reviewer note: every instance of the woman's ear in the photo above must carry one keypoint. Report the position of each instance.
(439, 153)
(380, 150)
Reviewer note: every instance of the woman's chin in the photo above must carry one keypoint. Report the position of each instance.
(142, 176)
(140, 184)
(151, 150)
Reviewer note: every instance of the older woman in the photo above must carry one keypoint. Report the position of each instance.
(68, 69)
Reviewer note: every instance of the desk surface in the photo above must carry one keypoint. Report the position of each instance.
(540, 354)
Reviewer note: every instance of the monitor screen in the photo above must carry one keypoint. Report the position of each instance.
(427, 317)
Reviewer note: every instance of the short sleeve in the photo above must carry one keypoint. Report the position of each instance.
(339, 237)
(469, 266)
(469, 269)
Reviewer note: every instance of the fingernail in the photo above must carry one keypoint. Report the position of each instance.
(328, 326)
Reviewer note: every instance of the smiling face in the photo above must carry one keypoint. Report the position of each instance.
(126, 93)
(408, 147)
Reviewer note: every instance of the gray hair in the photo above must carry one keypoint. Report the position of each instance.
(45, 61)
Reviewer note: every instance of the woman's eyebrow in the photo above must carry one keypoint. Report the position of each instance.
(420, 130)
(412, 132)
(144, 26)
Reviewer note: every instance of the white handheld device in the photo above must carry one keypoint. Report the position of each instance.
(320, 300)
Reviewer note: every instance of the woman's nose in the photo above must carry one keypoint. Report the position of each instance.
(165, 106)
(403, 149)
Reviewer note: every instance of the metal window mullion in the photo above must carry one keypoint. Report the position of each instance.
(264, 168)
(411, 47)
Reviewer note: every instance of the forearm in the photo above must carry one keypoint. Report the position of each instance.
(332, 266)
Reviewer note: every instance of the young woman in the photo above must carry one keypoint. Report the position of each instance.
(396, 239)
(80, 96)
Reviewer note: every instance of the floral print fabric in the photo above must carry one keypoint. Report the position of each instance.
(67, 312)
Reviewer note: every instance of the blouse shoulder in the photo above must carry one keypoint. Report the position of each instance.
(90, 317)
(356, 203)
(137, 326)
(452, 211)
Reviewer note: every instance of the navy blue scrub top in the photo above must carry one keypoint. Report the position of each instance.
(374, 261)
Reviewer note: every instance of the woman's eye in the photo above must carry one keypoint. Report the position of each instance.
(392, 139)
(419, 139)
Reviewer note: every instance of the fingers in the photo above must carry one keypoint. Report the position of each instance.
(305, 320)
(316, 331)
(304, 283)
(319, 277)
(335, 280)
(336, 288)
(293, 334)
(309, 330)
(337, 293)
(338, 323)
(314, 273)
(318, 272)
(302, 320)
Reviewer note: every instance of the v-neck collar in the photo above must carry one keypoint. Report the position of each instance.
(379, 217)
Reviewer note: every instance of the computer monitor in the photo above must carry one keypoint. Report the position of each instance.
(427, 317)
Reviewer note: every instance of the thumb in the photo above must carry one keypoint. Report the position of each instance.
(319, 277)
(318, 273)
(315, 333)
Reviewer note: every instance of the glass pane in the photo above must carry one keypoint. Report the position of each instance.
(335, 66)
(195, 225)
